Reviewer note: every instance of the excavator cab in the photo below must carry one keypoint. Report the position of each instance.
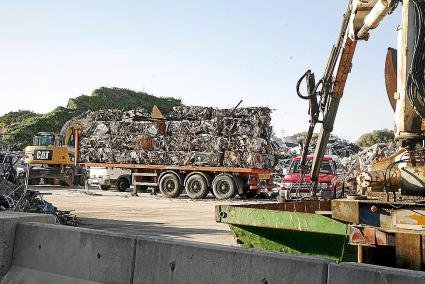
(48, 139)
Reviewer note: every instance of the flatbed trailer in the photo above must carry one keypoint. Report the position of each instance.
(197, 181)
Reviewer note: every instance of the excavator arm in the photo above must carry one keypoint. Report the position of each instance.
(324, 97)
(331, 109)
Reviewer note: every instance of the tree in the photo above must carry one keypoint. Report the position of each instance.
(376, 136)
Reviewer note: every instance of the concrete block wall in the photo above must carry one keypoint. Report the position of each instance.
(76, 253)
(46, 253)
(8, 224)
(161, 261)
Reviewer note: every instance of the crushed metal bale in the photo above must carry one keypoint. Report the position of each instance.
(187, 136)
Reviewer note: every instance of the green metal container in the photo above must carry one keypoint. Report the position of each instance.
(299, 227)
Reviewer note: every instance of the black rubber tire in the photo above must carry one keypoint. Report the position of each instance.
(196, 187)
(123, 184)
(251, 194)
(224, 187)
(105, 187)
(170, 186)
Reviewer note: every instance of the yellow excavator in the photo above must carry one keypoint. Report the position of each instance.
(52, 157)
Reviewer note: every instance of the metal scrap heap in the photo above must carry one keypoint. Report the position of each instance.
(15, 195)
(187, 136)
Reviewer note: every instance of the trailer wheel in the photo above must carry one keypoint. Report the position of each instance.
(224, 186)
(170, 186)
(196, 187)
(122, 184)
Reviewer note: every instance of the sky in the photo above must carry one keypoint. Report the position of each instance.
(209, 53)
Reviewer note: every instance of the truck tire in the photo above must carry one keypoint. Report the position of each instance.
(224, 186)
(122, 184)
(196, 187)
(170, 186)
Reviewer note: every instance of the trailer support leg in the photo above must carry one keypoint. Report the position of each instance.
(134, 192)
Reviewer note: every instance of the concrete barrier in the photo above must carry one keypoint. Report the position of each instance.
(356, 273)
(55, 254)
(75, 254)
(45, 253)
(162, 261)
(8, 223)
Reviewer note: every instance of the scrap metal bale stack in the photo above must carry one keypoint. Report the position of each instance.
(188, 136)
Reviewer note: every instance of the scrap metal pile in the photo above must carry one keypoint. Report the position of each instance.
(360, 161)
(343, 148)
(187, 136)
(339, 147)
(15, 195)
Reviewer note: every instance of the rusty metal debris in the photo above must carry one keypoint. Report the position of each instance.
(361, 161)
(367, 156)
(343, 148)
(15, 195)
(198, 136)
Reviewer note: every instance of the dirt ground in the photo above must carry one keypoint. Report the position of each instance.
(149, 215)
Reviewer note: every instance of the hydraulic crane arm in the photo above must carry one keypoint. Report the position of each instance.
(331, 109)
(324, 97)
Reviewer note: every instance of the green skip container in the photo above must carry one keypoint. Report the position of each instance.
(297, 227)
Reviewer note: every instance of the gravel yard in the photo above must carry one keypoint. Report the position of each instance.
(146, 214)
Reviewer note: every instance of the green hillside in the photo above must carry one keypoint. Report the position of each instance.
(19, 127)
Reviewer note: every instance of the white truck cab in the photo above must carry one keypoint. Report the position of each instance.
(105, 177)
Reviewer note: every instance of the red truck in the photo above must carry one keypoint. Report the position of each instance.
(330, 183)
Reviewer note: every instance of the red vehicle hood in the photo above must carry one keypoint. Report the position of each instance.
(295, 178)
